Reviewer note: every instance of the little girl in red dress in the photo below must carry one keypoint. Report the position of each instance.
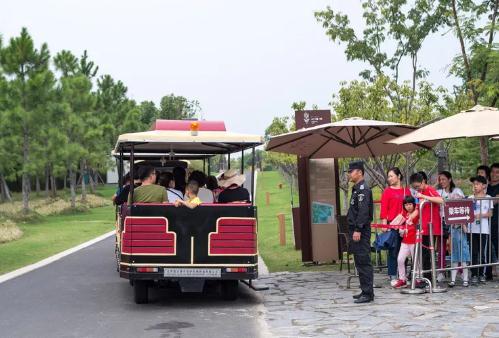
(408, 233)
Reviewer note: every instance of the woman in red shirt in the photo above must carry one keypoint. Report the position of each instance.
(391, 206)
(430, 214)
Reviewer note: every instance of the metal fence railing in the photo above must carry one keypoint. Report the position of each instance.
(462, 245)
(472, 238)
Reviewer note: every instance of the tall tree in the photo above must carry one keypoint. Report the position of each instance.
(474, 24)
(149, 113)
(174, 107)
(83, 124)
(393, 36)
(392, 39)
(9, 141)
(66, 63)
(133, 122)
(92, 140)
(31, 85)
(64, 126)
(111, 105)
(370, 101)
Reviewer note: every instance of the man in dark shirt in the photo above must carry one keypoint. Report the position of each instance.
(122, 196)
(493, 191)
(126, 180)
(360, 215)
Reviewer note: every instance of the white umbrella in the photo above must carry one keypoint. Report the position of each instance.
(353, 137)
(475, 122)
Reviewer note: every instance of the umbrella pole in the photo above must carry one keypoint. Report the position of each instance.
(406, 156)
(337, 190)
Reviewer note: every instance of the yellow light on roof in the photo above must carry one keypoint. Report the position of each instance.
(194, 128)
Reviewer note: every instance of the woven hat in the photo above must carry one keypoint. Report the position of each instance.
(231, 177)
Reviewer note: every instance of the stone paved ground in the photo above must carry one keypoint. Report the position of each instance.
(317, 304)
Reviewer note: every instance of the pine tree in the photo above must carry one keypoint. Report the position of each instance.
(31, 86)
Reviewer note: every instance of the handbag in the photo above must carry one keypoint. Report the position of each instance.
(385, 240)
(399, 220)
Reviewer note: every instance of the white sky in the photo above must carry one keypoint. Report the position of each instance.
(246, 62)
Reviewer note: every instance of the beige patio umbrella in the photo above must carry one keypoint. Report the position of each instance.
(353, 137)
(475, 122)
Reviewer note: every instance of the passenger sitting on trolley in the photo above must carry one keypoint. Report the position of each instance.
(233, 191)
(204, 194)
(191, 196)
(167, 181)
(212, 184)
(122, 195)
(148, 192)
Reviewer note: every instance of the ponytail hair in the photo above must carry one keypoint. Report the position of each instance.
(397, 172)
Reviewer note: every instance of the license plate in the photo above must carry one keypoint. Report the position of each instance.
(192, 272)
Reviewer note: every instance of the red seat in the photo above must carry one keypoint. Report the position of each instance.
(147, 235)
(234, 236)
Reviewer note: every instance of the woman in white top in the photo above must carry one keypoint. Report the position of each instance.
(168, 181)
(448, 191)
(447, 188)
(459, 249)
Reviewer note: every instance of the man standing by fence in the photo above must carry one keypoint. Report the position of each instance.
(360, 215)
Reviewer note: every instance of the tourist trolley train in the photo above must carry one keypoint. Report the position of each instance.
(162, 245)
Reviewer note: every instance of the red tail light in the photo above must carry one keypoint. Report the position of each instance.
(147, 269)
(236, 269)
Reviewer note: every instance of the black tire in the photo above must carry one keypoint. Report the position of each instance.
(229, 289)
(141, 291)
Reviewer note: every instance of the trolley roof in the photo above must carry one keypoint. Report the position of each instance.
(203, 138)
(166, 156)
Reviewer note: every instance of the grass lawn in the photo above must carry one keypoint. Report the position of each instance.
(277, 257)
(53, 234)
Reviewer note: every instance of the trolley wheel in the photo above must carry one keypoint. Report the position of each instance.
(229, 289)
(141, 291)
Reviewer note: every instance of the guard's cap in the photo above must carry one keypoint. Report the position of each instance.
(478, 178)
(356, 165)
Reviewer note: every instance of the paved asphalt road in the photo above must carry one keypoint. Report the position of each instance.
(82, 295)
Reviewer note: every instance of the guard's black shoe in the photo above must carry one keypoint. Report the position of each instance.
(357, 296)
(364, 299)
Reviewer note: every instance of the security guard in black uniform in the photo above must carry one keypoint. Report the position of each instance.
(360, 216)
